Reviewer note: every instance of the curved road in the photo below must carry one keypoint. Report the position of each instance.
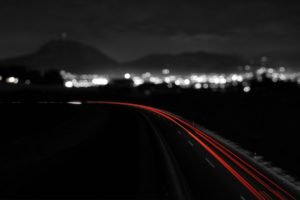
(257, 184)
(120, 150)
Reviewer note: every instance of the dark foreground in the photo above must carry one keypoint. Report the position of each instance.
(105, 151)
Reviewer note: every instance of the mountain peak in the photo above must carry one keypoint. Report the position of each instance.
(64, 44)
(68, 55)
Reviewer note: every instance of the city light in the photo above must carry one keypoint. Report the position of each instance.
(186, 82)
(27, 82)
(146, 75)
(12, 80)
(100, 81)
(155, 80)
(198, 86)
(83, 80)
(68, 84)
(247, 89)
(127, 76)
(197, 80)
(165, 71)
(137, 81)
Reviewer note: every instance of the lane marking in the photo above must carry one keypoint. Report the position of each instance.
(179, 132)
(243, 198)
(75, 102)
(192, 144)
(210, 163)
(266, 195)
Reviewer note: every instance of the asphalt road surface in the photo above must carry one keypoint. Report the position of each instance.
(103, 150)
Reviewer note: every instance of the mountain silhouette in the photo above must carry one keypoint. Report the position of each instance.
(75, 57)
(189, 62)
(65, 54)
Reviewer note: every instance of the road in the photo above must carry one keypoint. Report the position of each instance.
(220, 157)
(122, 150)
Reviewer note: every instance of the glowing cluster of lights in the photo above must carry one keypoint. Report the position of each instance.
(196, 81)
(12, 80)
(277, 75)
(137, 81)
(78, 81)
(127, 76)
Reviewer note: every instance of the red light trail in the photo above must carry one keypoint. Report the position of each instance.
(200, 137)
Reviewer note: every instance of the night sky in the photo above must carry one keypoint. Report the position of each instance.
(126, 30)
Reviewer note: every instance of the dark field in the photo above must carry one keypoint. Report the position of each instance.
(95, 151)
(264, 121)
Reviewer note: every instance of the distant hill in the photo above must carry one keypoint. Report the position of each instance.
(290, 60)
(76, 57)
(189, 62)
(65, 54)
